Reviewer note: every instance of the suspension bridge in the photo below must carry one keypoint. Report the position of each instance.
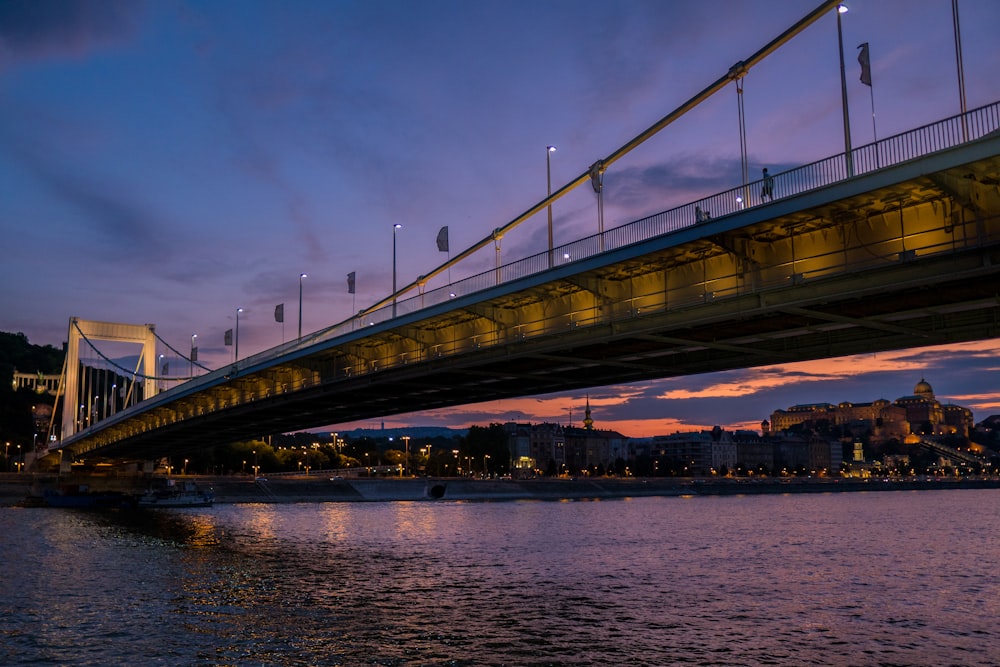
(889, 245)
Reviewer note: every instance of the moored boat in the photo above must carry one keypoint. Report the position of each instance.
(171, 494)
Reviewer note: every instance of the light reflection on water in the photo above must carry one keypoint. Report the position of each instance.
(901, 578)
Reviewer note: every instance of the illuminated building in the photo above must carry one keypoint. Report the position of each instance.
(39, 383)
(881, 420)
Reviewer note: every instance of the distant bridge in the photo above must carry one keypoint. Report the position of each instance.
(903, 252)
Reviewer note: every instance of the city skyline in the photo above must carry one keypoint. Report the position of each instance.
(170, 164)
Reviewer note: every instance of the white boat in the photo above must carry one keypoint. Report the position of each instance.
(186, 494)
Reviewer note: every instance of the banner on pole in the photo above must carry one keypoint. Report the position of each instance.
(864, 59)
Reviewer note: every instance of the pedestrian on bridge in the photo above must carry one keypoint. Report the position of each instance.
(767, 190)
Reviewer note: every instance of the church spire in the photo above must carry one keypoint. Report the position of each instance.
(588, 423)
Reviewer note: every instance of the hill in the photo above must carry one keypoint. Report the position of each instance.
(16, 423)
(17, 353)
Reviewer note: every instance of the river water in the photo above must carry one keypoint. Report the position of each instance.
(890, 578)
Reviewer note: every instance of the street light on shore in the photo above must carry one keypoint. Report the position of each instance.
(406, 453)
(301, 276)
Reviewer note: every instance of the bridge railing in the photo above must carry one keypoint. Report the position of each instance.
(913, 144)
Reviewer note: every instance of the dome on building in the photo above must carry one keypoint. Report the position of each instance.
(923, 388)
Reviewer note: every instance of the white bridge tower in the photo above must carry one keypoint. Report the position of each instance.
(144, 335)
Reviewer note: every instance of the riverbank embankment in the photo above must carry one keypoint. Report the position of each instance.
(300, 489)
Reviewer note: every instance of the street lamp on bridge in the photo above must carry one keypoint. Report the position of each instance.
(395, 227)
(301, 276)
(549, 150)
(849, 159)
(194, 354)
(236, 348)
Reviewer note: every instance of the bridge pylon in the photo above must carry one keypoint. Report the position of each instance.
(140, 334)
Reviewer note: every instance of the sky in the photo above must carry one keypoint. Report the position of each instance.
(168, 162)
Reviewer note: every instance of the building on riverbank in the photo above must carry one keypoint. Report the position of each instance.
(553, 449)
(919, 413)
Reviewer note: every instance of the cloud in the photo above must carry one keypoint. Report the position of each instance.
(126, 230)
(641, 190)
(34, 30)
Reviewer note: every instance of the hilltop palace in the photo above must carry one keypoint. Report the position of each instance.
(904, 419)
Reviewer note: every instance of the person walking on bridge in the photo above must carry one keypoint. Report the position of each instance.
(767, 189)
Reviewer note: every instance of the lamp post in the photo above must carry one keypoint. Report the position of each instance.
(842, 9)
(193, 354)
(549, 150)
(236, 349)
(301, 276)
(20, 459)
(159, 372)
(485, 456)
(184, 470)
(455, 452)
(406, 453)
(394, 228)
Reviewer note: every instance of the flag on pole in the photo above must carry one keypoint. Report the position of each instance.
(194, 354)
(229, 337)
(866, 67)
(442, 239)
(350, 282)
(279, 313)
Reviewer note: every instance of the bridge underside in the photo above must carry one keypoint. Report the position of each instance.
(889, 261)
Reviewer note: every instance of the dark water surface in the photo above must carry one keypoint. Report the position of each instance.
(894, 578)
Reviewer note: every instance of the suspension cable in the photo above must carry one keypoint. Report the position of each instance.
(126, 372)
